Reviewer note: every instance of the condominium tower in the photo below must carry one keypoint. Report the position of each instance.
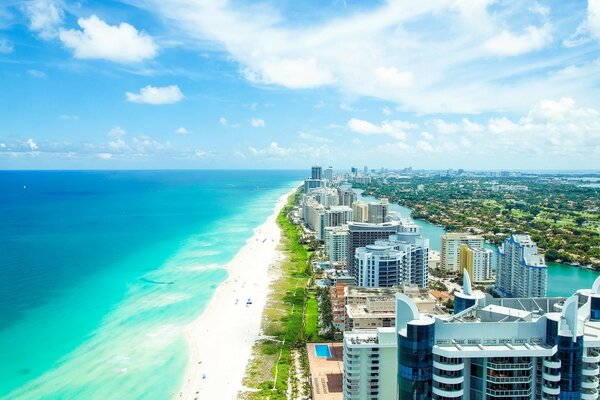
(503, 348)
(520, 270)
(450, 252)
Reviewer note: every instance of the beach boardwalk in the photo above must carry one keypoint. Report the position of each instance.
(326, 365)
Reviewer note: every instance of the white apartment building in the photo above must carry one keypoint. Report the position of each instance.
(520, 270)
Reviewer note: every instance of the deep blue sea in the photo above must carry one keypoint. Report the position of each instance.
(101, 271)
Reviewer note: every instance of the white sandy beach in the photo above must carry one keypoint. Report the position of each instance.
(220, 340)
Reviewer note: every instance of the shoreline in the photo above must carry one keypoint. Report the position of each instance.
(220, 340)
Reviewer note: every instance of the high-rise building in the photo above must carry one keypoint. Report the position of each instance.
(361, 211)
(346, 194)
(392, 262)
(365, 171)
(328, 175)
(316, 172)
(450, 252)
(520, 270)
(495, 348)
(336, 244)
(361, 234)
(310, 184)
(477, 262)
(377, 211)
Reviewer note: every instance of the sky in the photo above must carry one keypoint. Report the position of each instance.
(434, 84)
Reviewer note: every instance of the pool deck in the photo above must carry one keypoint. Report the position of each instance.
(326, 374)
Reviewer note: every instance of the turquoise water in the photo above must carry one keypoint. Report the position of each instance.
(322, 350)
(563, 280)
(101, 271)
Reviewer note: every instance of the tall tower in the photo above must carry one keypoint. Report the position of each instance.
(316, 172)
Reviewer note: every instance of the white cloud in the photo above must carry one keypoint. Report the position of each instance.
(200, 153)
(225, 123)
(32, 144)
(257, 123)
(5, 46)
(117, 131)
(593, 18)
(181, 131)
(444, 127)
(156, 95)
(424, 146)
(508, 44)
(118, 145)
(273, 150)
(425, 56)
(104, 156)
(45, 16)
(386, 110)
(294, 73)
(98, 40)
(36, 74)
(393, 77)
(394, 128)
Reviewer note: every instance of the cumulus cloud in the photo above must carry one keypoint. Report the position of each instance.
(104, 156)
(509, 44)
(272, 150)
(593, 18)
(394, 128)
(45, 16)
(32, 144)
(156, 95)
(121, 43)
(425, 56)
(257, 123)
(181, 131)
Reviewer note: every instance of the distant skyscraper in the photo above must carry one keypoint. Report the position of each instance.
(365, 170)
(377, 211)
(451, 242)
(316, 172)
(520, 270)
(328, 175)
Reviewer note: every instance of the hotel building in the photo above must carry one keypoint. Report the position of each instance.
(504, 348)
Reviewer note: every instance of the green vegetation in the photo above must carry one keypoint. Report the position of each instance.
(283, 318)
(561, 217)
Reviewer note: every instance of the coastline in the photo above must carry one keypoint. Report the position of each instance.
(220, 340)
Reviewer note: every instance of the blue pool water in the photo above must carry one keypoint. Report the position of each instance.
(322, 350)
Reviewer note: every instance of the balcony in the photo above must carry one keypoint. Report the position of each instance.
(508, 379)
(509, 366)
(551, 391)
(551, 377)
(589, 394)
(448, 393)
(448, 380)
(592, 356)
(589, 382)
(551, 364)
(449, 367)
(508, 393)
(590, 370)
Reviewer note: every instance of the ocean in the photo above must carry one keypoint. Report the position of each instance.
(100, 271)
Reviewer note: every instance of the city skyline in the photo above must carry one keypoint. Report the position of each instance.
(482, 85)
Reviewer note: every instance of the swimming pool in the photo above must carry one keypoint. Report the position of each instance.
(322, 350)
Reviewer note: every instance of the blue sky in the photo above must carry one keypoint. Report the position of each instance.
(476, 84)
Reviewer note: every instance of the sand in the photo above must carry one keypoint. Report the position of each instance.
(220, 340)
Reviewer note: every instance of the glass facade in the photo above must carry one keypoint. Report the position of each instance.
(415, 362)
(595, 309)
(461, 303)
(569, 353)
